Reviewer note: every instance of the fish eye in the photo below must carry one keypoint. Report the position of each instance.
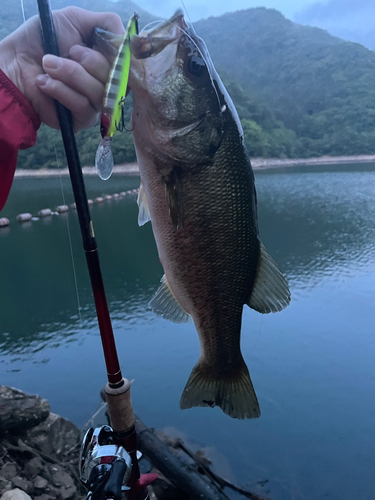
(196, 66)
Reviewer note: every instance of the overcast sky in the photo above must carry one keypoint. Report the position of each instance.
(198, 9)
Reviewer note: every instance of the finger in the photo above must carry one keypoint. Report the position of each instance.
(75, 77)
(84, 22)
(94, 63)
(84, 114)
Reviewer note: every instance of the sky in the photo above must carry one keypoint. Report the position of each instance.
(198, 9)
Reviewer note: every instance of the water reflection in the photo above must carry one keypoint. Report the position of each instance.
(317, 226)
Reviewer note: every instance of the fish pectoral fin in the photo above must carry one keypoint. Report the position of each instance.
(144, 213)
(173, 196)
(165, 304)
(233, 393)
(270, 292)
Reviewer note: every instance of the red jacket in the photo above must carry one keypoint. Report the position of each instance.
(18, 126)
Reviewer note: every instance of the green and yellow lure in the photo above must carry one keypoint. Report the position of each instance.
(114, 98)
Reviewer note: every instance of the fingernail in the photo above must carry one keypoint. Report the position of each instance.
(42, 80)
(78, 53)
(51, 62)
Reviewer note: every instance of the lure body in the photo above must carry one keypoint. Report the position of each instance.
(113, 102)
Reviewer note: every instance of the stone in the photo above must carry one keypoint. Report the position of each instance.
(33, 467)
(8, 471)
(55, 436)
(68, 493)
(40, 483)
(21, 483)
(15, 494)
(20, 411)
(60, 477)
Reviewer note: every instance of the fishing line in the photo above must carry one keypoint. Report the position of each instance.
(70, 239)
(157, 21)
(24, 20)
(187, 13)
(209, 72)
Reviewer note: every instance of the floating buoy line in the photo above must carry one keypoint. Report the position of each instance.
(61, 209)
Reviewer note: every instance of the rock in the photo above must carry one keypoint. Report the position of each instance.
(68, 493)
(21, 483)
(8, 471)
(55, 436)
(19, 411)
(40, 484)
(33, 467)
(60, 477)
(16, 494)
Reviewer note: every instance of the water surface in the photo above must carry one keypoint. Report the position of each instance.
(312, 365)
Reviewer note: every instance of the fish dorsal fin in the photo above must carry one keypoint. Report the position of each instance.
(165, 304)
(144, 213)
(271, 291)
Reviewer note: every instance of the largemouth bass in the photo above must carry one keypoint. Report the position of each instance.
(198, 190)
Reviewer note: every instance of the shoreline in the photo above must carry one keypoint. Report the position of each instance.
(257, 164)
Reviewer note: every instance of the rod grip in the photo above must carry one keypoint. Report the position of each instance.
(120, 406)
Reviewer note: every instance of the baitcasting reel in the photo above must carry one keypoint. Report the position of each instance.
(104, 466)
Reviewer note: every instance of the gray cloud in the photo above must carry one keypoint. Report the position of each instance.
(321, 11)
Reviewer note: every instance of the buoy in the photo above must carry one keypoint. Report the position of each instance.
(123, 193)
(74, 206)
(108, 197)
(90, 202)
(24, 217)
(46, 212)
(4, 222)
(61, 209)
(116, 196)
(99, 199)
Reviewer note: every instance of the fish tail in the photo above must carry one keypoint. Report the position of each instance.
(233, 393)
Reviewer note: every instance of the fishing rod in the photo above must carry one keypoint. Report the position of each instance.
(118, 388)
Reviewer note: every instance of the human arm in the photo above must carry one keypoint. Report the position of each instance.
(78, 81)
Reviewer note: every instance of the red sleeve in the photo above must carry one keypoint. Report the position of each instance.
(18, 126)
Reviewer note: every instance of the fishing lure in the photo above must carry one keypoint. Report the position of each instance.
(112, 117)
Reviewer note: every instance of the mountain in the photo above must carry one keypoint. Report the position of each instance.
(320, 86)
(300, 91)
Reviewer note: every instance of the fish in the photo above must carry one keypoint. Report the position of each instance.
(112, 118)
(197, 188)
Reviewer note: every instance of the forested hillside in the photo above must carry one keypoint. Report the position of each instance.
(299, 91)
(320, 86)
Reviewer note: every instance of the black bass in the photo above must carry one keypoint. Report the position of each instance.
(198, 190)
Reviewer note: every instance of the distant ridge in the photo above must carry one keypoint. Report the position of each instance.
(320, 86)
(300, 91)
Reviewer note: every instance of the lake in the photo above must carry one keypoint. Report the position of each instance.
(312, 365)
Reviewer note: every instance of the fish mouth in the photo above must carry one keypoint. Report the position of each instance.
(150, 43)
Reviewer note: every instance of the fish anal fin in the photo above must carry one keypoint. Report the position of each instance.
(144, 213)
(165, 304)
(233, 393)
(270, 292)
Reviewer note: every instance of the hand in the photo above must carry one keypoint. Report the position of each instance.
(76, 79)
